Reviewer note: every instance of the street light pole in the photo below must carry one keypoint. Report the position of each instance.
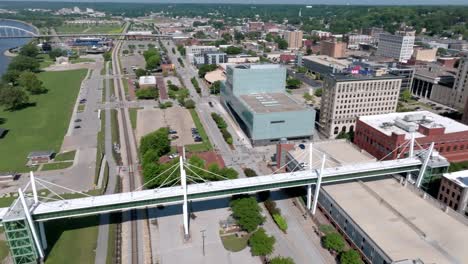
(203, 237)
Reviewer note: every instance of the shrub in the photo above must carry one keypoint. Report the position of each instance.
(147, 93)
(261, 244)
(350, 257)
(189, 104)
(281, 260)
(247, 213)
(333, 241)
(326, 229)
(281, 222)
(271, 207)
(249, 172)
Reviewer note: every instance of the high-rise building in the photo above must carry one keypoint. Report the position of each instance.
(294, 39)
(332, 48)
(347, 96)
(398, 46)
(460, 87)
(256, 96)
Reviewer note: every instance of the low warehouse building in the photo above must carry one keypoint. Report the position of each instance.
(256, 96)
(147, 82)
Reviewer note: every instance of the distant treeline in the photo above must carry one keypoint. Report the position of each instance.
(440, 20)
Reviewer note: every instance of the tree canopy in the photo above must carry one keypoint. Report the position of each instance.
(31, 83)
(333, 241)
(281, 260)
(350, 257)
(13, 98)
(247, 213)
(261, 244)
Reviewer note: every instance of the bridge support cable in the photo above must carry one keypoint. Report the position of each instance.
(63, 187)
(395, 149)
(318, 185)
(52, 191)
(183, 181)
(162, 173)
(424, 166)
(202, 169)
(300, 156)
(309, 187)
(33, 187)
(31, 225)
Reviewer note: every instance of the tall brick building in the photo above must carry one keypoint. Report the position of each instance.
(381, 134)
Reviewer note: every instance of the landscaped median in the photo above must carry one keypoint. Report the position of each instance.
(222, 125)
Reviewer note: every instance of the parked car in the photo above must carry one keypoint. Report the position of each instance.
(171, 131)
(174, 137)
(198, 139)
(77, 126)
(173, 156)
(78, 120)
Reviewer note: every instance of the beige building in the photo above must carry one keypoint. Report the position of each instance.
(453, 190)
(294, 39)
(147, 82)
(421, 54)
(348, 96)
(333, 48)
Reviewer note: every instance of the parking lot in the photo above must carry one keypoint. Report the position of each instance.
(176, 118)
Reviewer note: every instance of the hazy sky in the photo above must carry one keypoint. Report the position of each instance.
(309, 2)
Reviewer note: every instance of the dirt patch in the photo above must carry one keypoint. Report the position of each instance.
(177, 118)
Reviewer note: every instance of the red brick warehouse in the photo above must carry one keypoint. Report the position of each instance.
(381, 134)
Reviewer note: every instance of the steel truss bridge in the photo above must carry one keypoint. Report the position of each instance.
(23, 220)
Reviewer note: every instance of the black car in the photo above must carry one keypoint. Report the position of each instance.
(78, 120)
(172, 131)
(210, 103)
(77, 126)
(198, 139)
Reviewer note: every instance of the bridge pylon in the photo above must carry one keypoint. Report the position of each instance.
(183, 182)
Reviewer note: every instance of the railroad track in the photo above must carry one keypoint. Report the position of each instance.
(130, 165)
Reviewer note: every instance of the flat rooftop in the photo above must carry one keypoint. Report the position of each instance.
(338, 152)
(460, 178)
(328, 61)
(396, 123)
(401, 223)
(270, 102)
(147, 80)
(344, 77)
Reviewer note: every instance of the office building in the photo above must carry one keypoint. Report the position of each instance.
(333, 48)
(215, 57)
(321, 34)
(433, 82)
(256, 96)
(322, 64)
(459, 94)
(406, 74)
(354, 40)
(194, 54)
(453, 191)
(348, 96)
(398, 46)
(294, 39)
(381, 134)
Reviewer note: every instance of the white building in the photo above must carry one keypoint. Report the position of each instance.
(349, 96)
(147, 82)
(398, 46)
(194, 54)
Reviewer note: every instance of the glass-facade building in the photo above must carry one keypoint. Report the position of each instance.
(256, 96)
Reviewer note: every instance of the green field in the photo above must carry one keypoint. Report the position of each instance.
(43, 126)
(234, 243)
(72, 240)
(133, 116)
(57, 166)
(89, 29)
(70, 155)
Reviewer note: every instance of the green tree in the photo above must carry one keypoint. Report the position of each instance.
(140, 72)
(107, 56)
(281, 222)
(11, 76)
(309, 98)
(350, 257)
(206, 68)
(157, 140)
(23, 63)
(31, 83)
(215, 87)
(29, 50)
(54, 53)
(151, 156)
(247, 213)
(282, 44)
(13, 98)
(227, 37)
(405, 96)
(318, 92)
(232, 50)
(153, 62)
(333, 241)
(189, 104)
(261, 244)
(229, 173)
(150, 53)
(281, 260)
(293, 83)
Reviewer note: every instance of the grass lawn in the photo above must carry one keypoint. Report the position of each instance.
(57, 166)
(72, 240)
(78, 60)
(233, 243)
(43, 126)
(115, 134)
(89, 29)
(133, 116)
(70, 155)
(45, 60)
(205, 145)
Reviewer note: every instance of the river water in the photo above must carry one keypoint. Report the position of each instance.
(6, 44)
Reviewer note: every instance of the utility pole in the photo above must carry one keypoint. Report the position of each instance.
(203, 238)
